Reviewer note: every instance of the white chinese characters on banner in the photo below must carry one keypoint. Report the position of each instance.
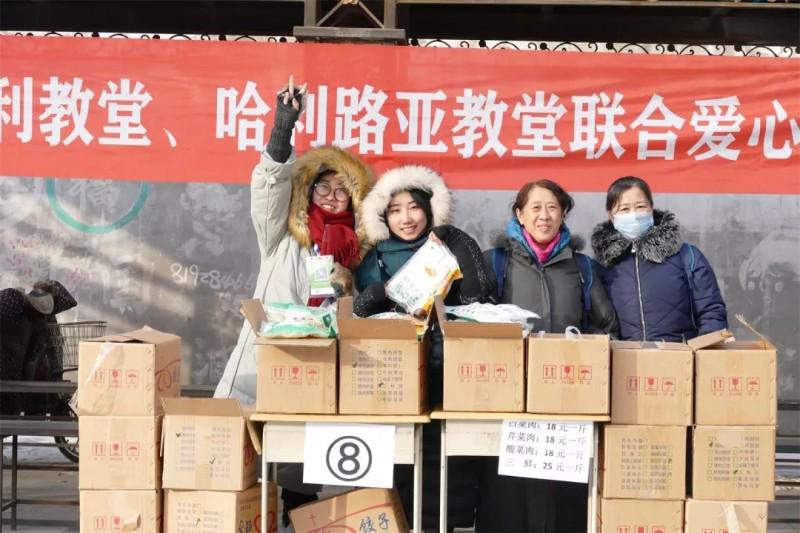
(555, 450)
(370, 120)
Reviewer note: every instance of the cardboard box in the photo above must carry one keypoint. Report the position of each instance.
(119, 452)
(568, 375)
(212, 512)
(644, 462)
(484, 365)
(641, 516)
(382, 365)
(358, 510)
(651, 383)
(294, 375)
(120, 510)
(735, 381)
(734, 463)
(725, 517)
(208, 444)
(128, 374)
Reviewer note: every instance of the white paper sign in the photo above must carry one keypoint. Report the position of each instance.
(546, 449)
(354, 455)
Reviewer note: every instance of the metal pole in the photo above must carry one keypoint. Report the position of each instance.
(264, 480)
(14, 444)
(443, 481)
(417, 515)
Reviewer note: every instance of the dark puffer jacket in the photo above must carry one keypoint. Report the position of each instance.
(648, 285)
(553, 290)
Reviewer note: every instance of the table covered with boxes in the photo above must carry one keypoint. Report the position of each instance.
(690, 445)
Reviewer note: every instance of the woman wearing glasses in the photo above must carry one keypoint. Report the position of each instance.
(300, 208)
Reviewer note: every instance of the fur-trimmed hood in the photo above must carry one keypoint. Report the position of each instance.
(397, 180)
(358, 180)
(661, 241)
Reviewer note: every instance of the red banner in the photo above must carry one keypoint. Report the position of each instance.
(487, 119)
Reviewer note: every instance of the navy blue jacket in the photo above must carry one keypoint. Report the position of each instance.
(648, 285)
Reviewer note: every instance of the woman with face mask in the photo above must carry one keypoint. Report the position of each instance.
(407, 206)
(662, 288)
(537, 267)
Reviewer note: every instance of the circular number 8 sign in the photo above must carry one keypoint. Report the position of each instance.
(349, 458)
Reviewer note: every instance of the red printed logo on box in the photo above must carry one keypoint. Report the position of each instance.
(735, 385)
(633, 383)
(659, 529)
(568, 372)
(753, 384)
(549, 371)
(278, 372)
(641, 529)
(585, 373)
(312, 373)
(99, 376)
(717, 384)
(464, 370)
(500, 371)
(651, 384)
(295, 372)
(668, 385)
(115, 378)
(482, 370)
(116, 523)
(99, 523)
(132, 449)
(116, 449)
(623, 529)
(132, 378)
(98, 449)
(708, 531)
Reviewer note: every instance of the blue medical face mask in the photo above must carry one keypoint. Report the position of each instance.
(633, 225)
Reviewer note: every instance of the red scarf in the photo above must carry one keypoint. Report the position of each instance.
(333, 233)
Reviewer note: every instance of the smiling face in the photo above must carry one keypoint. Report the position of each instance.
(330, 194)
(542, 215)
(405, 217)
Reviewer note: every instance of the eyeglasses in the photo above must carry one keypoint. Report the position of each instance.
(324, 189)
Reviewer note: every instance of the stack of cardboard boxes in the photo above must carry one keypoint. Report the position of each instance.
(375, 367)
(733, 462)
(122, 379)
(643, 468)
(210, 469)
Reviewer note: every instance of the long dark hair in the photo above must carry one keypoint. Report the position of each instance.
(564, 199)
(622, 185)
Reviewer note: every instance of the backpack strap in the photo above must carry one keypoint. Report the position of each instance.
(688, 259)
(500, 264)
(587, 279)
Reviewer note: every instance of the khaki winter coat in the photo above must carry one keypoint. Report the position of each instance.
(279, 199)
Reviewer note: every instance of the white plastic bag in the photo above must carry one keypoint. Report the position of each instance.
(429, 273)
(294, 321)
(509, 313)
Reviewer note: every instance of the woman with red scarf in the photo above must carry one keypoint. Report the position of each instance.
(300, 208)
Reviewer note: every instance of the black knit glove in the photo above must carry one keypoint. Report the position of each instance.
(279, 146)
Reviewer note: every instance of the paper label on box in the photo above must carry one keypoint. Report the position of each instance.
(555, 450)
(355, 455)
(319, 268)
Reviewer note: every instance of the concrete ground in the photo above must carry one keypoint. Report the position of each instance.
(64, 486)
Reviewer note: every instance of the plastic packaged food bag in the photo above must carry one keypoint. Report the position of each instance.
(429, 273)
(420, 325)
(286, 320)
(509, 313)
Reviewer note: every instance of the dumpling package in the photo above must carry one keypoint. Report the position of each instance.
(285, 320)
(429, 273)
